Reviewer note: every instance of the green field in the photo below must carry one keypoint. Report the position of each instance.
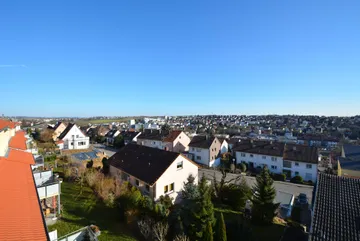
(83, 122)
(83, 209)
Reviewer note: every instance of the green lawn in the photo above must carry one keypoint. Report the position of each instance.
(82, 210)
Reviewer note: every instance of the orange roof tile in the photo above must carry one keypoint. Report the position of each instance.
(7, 123)
(20, 156)
(18, 141)
(172, 136)
(20, 213)
(59, 142)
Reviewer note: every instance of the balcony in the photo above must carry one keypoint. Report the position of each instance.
(49, 190)
(78, 235)
(48, 185)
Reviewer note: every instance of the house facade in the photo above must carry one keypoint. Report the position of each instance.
(290, 159)
(111, 135)
(205, 150)
(175, 140)
(74, 138)
(153, 171)
(58, 129)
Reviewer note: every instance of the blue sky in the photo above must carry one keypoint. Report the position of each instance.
(86, 58)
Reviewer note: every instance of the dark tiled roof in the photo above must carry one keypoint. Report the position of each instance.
(260, 147)
(67, 129)
(349, 164)
(151, 135)
(144, 163)
(301, 153)
(336, 209)
(201, 141)
(352, 151)
(129, 135)
(111, 133)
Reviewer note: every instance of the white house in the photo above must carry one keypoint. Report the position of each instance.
(205, 150)
(290, 159)
(73, 138)
(155, 172)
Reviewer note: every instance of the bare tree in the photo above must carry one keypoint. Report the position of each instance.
(145, 226)
(181, 237)
(160, 230)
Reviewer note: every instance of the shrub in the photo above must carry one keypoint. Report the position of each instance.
(243, 167)
(297, 179)
(278, 177)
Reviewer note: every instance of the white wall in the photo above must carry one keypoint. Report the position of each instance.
(224, 147)
(259, 160)
(203, 153)
(75, 135)
(151, 143)
(176, 176)
(303, 170)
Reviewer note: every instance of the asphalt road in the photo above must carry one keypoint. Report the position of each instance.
(108, 150)
(288, 187)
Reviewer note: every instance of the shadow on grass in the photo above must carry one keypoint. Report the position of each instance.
(82, 208)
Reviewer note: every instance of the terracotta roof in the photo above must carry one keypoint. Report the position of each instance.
(7, 123)
(20, 211)
(18, 141)
(59, 142)
(172, 136)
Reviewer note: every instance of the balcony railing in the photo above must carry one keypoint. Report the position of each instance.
(49, 190)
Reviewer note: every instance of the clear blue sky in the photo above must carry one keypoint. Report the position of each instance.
(141, 57)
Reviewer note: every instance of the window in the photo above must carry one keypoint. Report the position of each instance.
(308, 176)
(179, 165)
(171, 187)
(296, 164)
(154, 142)
(147, 188)
(198, 158)
(215, 148)
(72, 143)
(77, 136)
(263, 157)
(81, 143)
(243, 154)
(193, 149)
(308, 166)
(125, 177)
(296, 173)
(212, 149)
(251, 155)
(137, 182)
(274, 159)
(179, 137)
(166, 189)
(287, 164)
(274, 167)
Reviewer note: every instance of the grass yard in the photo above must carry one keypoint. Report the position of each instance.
(83, 209)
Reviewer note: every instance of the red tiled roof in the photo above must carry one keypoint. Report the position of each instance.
(172, 136)
(18, 141)
(20, 211)
(6, 123)
(59, 142)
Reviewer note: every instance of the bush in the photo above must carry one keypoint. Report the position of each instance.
(278, 177)
(297, 179)
(243, 167)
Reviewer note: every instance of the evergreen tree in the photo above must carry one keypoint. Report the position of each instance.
(221, 229)
(208, 234)
(264, 208)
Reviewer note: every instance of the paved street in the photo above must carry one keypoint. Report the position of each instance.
(292, 188)
(108, 150)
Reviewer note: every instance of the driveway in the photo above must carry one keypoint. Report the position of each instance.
(109, 151)
(288, 187)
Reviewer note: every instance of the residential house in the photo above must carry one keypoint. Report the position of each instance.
(224, 145)
(175, 140)
(336, 209)
(349, 162)
(130, 136)
(155, 172)
(111, 135)
(20, 213)
(291, 159)
(73, 138)
(58, 129)
(205, 150)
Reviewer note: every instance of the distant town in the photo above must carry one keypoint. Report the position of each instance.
(211, 177)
